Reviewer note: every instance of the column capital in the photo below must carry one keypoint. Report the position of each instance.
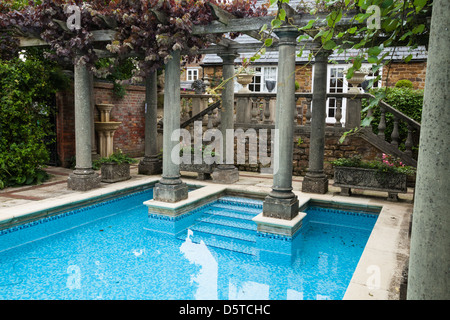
(321, 54)
(288, 35)
(228, 57)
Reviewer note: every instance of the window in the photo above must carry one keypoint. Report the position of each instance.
(259, 79)
(337, 83)
(192, 74)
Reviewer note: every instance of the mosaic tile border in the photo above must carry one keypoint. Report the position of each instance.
(360, 213)
(63, 214)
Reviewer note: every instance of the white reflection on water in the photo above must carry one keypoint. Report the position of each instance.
(206, 278)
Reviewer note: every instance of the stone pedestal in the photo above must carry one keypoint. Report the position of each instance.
(315, 184)
(225, 174)
(286, 209)
(170, 192)
(105, 130)
(353, 113)
(83, 180)
(149, 166)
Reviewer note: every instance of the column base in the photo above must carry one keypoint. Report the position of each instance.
(170, 192)
(286, 209)
(83, 182)
(149, 166)
(225, 175)
(313, 184)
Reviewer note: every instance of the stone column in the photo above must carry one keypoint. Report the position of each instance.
(226, 172)
(151, 164)
(315, 180)
(281, 202)
(170, 188)
(429, 261)
(83, 177)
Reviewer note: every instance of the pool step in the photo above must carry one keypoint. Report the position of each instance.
(231, 214)
(224, 231)
(225, 225)
(222, 242)
(228, 222)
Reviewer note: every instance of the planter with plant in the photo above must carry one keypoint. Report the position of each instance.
(389, 175)
(114, 168)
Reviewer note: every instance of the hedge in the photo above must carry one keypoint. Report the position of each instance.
(406, 100)
(24, 118)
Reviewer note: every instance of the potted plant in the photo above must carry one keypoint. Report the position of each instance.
(244, 75)
(358, 77)
(114, 168)
(388, 175)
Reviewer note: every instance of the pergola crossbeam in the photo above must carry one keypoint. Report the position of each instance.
(225, 18)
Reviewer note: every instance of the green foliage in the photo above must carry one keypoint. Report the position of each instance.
(117, 157)
(24, 118)
(151, 29)
(116, 71)
(404, 83)
(388, 164)
(406, 100)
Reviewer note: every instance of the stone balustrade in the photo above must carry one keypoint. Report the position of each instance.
(257, 110)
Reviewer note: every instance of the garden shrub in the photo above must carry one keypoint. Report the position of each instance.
(404, 83)
(25, 86)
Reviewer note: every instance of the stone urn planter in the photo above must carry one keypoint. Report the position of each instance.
(371, 179)
(244, 79)
(358, 77)
(114, 172)
(114, 168)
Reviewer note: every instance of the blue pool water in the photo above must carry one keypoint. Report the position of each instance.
(115, 250)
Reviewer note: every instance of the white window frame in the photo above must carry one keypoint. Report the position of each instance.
(332, 120)
(261, 73)
(192, 74)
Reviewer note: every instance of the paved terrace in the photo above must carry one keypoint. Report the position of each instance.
(386, 252)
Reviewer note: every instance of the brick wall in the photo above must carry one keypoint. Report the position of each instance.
(130, 110)
(412, 71)
(65, 127)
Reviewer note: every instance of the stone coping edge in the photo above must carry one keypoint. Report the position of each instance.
(25, 213)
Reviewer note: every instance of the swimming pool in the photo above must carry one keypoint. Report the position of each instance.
(116, 250)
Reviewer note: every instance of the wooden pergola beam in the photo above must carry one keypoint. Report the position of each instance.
(256, 23)
(224, 17)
